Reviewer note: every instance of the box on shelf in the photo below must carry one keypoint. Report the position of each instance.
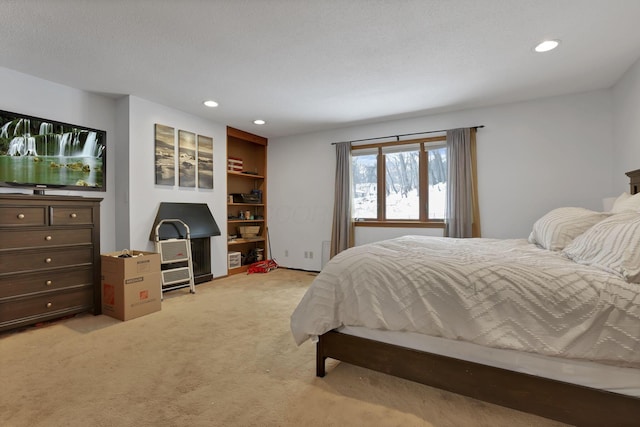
(234, 164)
(235, 259)
(131, 286)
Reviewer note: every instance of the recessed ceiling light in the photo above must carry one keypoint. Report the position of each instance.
(547, 45)
(259, 122)
(210, 103)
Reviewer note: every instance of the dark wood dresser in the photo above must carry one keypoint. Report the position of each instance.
(49, 258)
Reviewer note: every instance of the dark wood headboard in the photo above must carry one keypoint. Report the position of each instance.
(634, 181)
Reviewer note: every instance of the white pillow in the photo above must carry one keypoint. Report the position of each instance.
(612, 244)
(626, 202)
(618, 200)
(558, 228)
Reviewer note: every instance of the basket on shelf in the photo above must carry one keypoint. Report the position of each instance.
(248, 231)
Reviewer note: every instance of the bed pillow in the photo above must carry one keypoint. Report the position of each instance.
(626, 202)
(617, 203)
(558, 228)
(612, 244)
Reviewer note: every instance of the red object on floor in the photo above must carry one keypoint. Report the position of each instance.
(262, 266)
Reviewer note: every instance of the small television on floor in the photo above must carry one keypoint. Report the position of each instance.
(46, 154)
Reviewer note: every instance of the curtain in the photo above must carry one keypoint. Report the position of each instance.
(463, 214)
(342, 229)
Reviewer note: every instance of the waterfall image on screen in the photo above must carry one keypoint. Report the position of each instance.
(43, 153)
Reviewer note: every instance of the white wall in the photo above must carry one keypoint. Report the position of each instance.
(144, 196)
(121, 156)
(22, 93)
(532, 157)
(132, 198)
(626, 127)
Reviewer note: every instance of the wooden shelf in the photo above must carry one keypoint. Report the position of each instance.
(241, 241)
(250, 151)
(237, 270)
(245, 175)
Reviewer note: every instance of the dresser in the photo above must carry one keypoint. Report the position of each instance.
(49, 258)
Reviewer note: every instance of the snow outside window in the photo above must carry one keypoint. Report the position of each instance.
(400, 190)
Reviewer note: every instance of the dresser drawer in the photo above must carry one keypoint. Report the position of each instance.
(53, 304)
(17, 239)
(34, 260)
(71, 215)
(49, 258)
(23, 215)
(11, 286)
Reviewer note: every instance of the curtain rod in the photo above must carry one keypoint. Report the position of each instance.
(404, 134)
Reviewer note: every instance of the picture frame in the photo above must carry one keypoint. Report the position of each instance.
(187, 158)
(165, 147)
(205, 162)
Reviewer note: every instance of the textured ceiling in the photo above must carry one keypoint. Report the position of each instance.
(309, 65)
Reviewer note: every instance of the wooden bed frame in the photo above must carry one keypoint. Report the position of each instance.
(557, 400)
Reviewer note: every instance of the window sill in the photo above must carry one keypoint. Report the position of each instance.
(400, 224)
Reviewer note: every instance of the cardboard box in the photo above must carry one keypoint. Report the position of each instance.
(131, 287)
(140, 262)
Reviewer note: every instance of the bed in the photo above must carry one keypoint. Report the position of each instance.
(548, 325)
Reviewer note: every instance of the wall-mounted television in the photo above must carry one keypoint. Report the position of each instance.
(45, 154)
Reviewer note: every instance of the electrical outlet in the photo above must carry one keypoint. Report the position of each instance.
(306, 254)
(311, 255)
(286, 252)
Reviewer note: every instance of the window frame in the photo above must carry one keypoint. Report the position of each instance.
(425, 145)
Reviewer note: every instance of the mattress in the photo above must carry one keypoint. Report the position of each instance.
(506, 294)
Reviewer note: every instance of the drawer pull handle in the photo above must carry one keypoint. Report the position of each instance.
(74, 215)
(48, 283)
(47, 260)
(48, 238)
(49, 304)
(21, 216)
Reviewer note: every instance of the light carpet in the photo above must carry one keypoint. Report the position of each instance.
(223, 356)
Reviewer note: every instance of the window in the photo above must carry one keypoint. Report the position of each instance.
(364, 169)
(400, 181)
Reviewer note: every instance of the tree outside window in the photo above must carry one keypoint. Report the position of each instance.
(400, 181)
(365, 185)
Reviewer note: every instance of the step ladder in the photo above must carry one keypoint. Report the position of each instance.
(175, 258)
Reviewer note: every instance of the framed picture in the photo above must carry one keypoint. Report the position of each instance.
(165, 155)
(205, 162)
(187, 158)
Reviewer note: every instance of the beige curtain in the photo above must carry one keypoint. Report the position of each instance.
(342, 229)
(463, 213)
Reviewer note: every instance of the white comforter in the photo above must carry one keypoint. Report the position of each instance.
(498, 293)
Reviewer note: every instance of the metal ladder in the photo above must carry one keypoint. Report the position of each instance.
(175, 251)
